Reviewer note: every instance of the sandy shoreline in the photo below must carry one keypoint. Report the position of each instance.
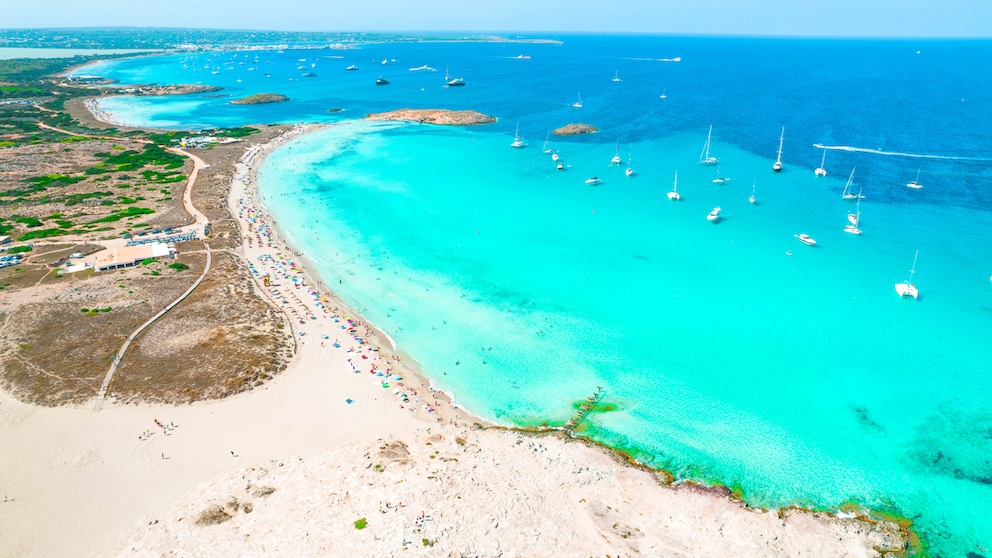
(81, 483)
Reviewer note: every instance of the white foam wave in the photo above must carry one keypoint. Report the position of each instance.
(897, 154)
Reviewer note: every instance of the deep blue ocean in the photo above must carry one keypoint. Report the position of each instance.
(729, 352)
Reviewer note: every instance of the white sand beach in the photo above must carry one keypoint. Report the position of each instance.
(134, 480)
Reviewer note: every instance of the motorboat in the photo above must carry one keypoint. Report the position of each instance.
(382, 81)
(714, 215)
(806, 239)
(593, 181)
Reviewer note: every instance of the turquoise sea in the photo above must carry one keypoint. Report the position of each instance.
(731, 352)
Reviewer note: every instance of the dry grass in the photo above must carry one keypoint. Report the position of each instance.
(222, 340)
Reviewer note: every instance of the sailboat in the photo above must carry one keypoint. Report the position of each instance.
(662, 96)
(452, 82)
(616, 77)
(704, 156)
(777, 167)
(518, 141)
(616, 158)
(630, 170)
(578, 104)
(907, 288)
(674, 194)
(847, 194)
(915, 184)
(545, 149)
(720, 179)
(820, 171)
(854, 219)
(753, 199)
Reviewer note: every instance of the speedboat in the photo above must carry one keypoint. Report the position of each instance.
(561, 166)
(554, 156)
(352, 68)
(382, 81)
(714, 215)
(806, 239)
(593, 181)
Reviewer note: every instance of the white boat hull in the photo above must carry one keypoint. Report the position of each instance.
(907, 290)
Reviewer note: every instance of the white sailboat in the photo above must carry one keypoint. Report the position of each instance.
(704, 156)
(616, 158)
(662, 96)
(907, 288)
(720, 179)
(753, 199)
(518, 142)
(915, 184)
(630, 170)
(674, 194)
(854, 219)
(820, 171)
(777, 167)
(545, 149)
(848, 194)
(616, 77)
(578, 104)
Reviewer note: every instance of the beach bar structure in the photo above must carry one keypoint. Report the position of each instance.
(122, 256)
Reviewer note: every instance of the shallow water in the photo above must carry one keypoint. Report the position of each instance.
(801, 378)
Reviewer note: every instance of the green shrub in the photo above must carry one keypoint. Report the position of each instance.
(361, 524)
(179, 266)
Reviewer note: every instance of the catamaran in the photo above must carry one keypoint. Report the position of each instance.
(820, 171)
(777, 167)
(848, 194)
(616, 158)
(915, 184)
(578, 104)
(704, 156)
(674, 194)
(616, 77)
(907, 288)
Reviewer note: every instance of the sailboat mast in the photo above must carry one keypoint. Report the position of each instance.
(912, 270)
(780, 140)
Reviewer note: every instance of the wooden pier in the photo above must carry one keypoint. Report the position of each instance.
(586, 406)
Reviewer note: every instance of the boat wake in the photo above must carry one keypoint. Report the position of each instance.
(676, 59)
(898, 154)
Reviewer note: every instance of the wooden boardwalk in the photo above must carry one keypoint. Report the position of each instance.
(586, 406)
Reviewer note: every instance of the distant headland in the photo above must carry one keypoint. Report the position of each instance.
(260, 99)
(574, 130)
(442, 117)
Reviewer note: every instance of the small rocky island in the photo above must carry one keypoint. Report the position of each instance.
(574, 130)
(260, 99)
(442, 117)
